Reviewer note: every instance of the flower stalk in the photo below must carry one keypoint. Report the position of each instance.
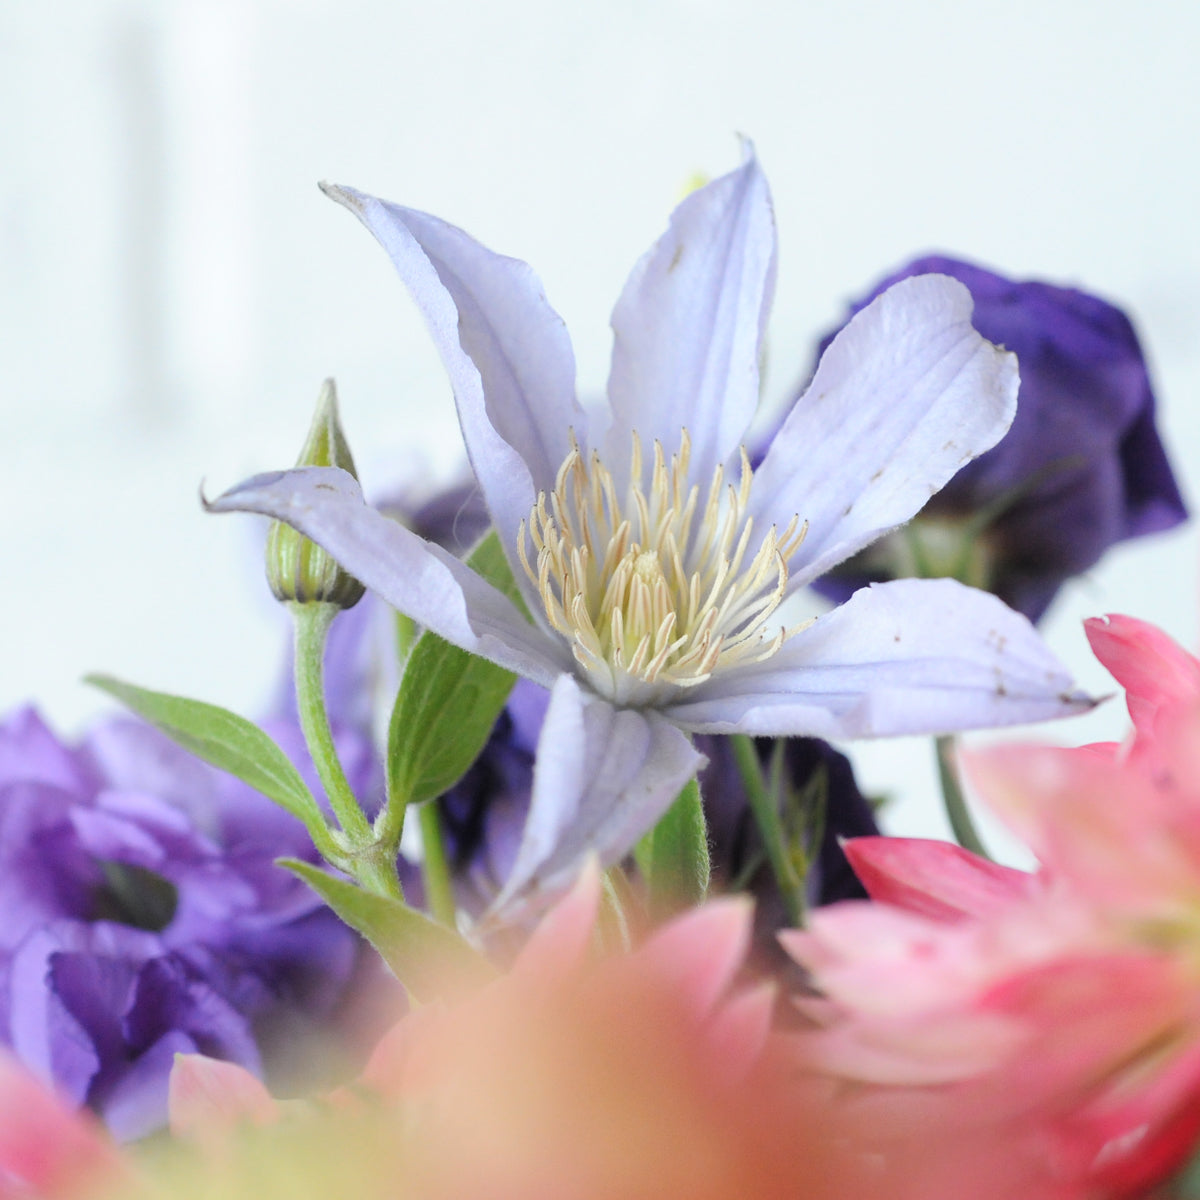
(955, 802)
(435, 867)
(765, 807)
(311, 624)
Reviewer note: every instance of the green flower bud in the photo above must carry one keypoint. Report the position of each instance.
(298, 569)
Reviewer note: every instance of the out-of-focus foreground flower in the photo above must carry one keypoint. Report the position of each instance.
(143, 916)
(659, 568)
(575, 1076)
(1081, 468)
(1055, 1016)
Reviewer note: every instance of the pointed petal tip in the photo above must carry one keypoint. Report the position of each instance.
(746, 142)
(345, 196)
(232, 499)
(265, 493)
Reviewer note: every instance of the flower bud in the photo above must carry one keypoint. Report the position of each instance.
(298, 569)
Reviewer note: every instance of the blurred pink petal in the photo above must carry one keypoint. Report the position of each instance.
(1052, 1020)
(208, 1095)
(936, 879)
(47, 1148)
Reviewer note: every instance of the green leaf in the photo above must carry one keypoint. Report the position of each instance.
(426, 957)
(225, 740)
(447, 704)
(673, 856)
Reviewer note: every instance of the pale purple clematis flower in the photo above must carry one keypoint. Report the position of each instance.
(659, 569)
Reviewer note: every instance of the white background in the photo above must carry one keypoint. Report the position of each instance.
(173, 287)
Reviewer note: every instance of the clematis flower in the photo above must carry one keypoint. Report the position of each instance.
(484, 813)
(144, 916)
(1081, 469)
(1055, 1014)
(660, 570)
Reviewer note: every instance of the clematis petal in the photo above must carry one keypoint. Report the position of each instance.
(603, 777)
(507, 352)
(689, 323)
(906, 395)
(911, 656)
(418, 578)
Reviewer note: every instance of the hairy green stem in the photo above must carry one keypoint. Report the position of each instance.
(435, 868)
(311, 622)
(765, 808)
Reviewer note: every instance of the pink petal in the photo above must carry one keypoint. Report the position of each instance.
(739, 1030)
(1154, 669)
(701, 951)
(561, 940)
(935, 879)
(44, 1143)
(207, 1095)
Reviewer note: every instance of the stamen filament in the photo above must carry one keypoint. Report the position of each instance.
(656, 592)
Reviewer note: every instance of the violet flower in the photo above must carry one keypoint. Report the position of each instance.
(144, 916)
(1081, 469)
(660, 570)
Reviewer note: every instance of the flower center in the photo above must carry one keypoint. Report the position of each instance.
(656, 592)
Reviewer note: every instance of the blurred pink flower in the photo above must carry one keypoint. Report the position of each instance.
(1051, 1017)
(577, 1074)
(48, 1148)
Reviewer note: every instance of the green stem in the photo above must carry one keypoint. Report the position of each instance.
(770, 826)
(375, 871)
(312, 623)
(435, 869)
(954, 800)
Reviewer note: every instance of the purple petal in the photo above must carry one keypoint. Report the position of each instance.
(30, 753)
(603, 778)
(420, 579)
(689, 324)
(913, 656)
(505, 349)
(136, 1105)
(906, 395)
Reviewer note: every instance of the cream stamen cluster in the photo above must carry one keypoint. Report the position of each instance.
(656, 592)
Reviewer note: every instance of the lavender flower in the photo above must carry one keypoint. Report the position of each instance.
(484, 813)
(144, 916)
(1081, 469)
(661, 571)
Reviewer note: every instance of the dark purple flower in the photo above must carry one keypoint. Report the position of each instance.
(144, 915)
(1081, 468)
